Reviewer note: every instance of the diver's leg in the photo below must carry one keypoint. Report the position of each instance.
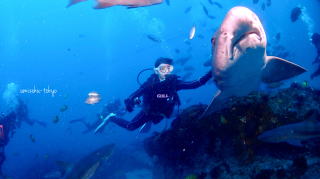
(2, 159)
(316, 73)
(136, 122)
(317, 59)
(41, 123)
(28, 121)
(82, 121)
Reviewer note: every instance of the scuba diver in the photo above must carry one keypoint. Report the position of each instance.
(15, 114)
(7, 127)
(107, 112)
(23, 115)
(316, 42)
(159, 94)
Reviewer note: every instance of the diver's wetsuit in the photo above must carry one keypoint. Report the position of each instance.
(159, 99)
(7, 126)
(316, 43)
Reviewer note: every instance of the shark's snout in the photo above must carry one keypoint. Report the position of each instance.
(251, 39)
(246, 35)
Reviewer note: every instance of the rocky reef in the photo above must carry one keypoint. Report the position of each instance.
(225, 144)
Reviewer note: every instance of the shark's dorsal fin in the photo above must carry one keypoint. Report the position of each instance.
(278, 69)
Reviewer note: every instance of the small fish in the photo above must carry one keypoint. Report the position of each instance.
(187, 10)
(263, 6)
(200, 36)
(255, 1)
(269, 3)
(187, 42)
(154, 39)
(32, 138)
(63, 108)
(278, 36)
(93, 98)
(275, 85)
(305, 84)
(73, 2)
(189, 68)
(55, 119)
(182, 61)
(192, 32)
(192, 176)
(101, 4)
(46, 156)
(223, 120)
(168, 2)
(205, 10)
(16, 154)
(177, 50)
(211, 17)
(295, 14)
(81, 35)
(218, 5)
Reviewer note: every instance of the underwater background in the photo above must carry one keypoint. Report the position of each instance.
(78, 50)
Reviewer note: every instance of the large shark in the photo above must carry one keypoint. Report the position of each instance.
(86, 167)
(101, 4)
(239, 59)
(294, 133)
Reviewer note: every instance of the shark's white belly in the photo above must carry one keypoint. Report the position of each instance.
(244, 76)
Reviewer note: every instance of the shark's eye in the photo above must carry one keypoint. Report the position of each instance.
(213, 40)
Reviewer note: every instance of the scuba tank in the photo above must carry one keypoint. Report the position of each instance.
(138, 76)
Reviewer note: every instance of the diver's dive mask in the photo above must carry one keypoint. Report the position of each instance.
(164, 69)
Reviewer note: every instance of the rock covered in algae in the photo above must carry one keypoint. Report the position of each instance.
(225, 143)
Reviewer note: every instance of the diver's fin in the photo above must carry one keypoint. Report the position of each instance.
(216, 104)
(146, 127)
(104, 121)
(278, 69)
(101, 4)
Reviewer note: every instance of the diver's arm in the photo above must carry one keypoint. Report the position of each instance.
(194, 84)
(131, 100)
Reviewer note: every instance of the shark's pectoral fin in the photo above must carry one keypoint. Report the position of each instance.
(278, 69)
(217, 103)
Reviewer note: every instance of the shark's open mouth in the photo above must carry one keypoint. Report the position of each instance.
(237, 41)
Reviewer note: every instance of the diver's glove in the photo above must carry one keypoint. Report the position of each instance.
(206, 77)
(129, 104)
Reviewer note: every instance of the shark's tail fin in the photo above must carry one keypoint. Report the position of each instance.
(73, 2)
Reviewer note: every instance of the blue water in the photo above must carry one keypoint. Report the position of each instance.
(77, 50)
